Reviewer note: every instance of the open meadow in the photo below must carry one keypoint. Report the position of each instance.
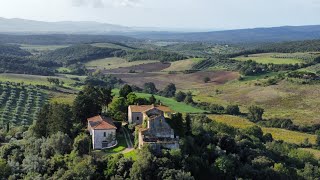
(36, 49)
(277, 134)
(183, 65)
(114, 63)
(283, 100)
(275, 58)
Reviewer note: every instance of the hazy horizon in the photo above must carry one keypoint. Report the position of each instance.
(174, 14)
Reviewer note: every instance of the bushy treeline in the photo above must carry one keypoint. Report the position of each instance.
(61, 39)
(24, 65)
(78, 54)
(253, 68)
(13, 50)
(164, 56)
(294, 46)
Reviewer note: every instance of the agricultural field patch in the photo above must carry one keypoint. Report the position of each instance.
(315, 152)
(277, 58)
(110, 45)
(35, 79)
(37, 49)
(313, 69)
(140, 68)
(301, 103)
(182, 81)
(173, 104)
(183, 65)
(19, 105)
(55, 97)
(277, 134)
(114, 63)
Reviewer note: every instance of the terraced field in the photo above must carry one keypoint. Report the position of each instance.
(278, 134)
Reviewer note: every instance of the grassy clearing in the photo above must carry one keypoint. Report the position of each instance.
(131, 154)
(174, 105)
(61, 98)
(278, 134)
(275, 58)
(313, 69)
(315, 152)
(122, 145)
(183, 64)
(110, 45)
(113, 63)
(300, 103)
(41, 48)
(234, 121)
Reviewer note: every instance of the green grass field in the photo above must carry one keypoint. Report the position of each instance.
(266, 58)
(113, 63)
(315, 152)
(278, 134)
(122, 145)
(183, 64)
(131, 154)
(174, 105)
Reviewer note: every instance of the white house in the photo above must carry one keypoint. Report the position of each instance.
(103, 132)
(136, 112)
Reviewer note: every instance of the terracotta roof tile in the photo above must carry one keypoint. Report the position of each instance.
(100, 122)
(142, 108)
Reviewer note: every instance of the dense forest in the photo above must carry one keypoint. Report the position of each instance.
(78, 54)
(56, 147)
(59, 39)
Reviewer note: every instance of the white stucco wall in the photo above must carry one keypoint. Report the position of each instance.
(129, 115)
(98, 137)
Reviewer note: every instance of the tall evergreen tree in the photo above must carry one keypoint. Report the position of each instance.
(60, 119)
(125, 90)
(40, 128)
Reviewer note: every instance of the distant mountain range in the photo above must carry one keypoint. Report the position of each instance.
(35, 27)
(274, 34)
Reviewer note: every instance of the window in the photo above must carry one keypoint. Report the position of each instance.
(104, 134)
(138, 118)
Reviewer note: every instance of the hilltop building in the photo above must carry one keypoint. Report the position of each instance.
(154, 131)
(103, 132)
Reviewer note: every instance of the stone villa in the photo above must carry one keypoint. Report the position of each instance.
(103, 132)
(136, 112)
(155, 130)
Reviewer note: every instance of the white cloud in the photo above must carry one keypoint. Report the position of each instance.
(106, 3)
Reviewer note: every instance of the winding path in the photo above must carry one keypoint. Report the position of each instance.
(128, 141)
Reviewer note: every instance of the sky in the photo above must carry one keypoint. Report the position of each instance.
(184, 14)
